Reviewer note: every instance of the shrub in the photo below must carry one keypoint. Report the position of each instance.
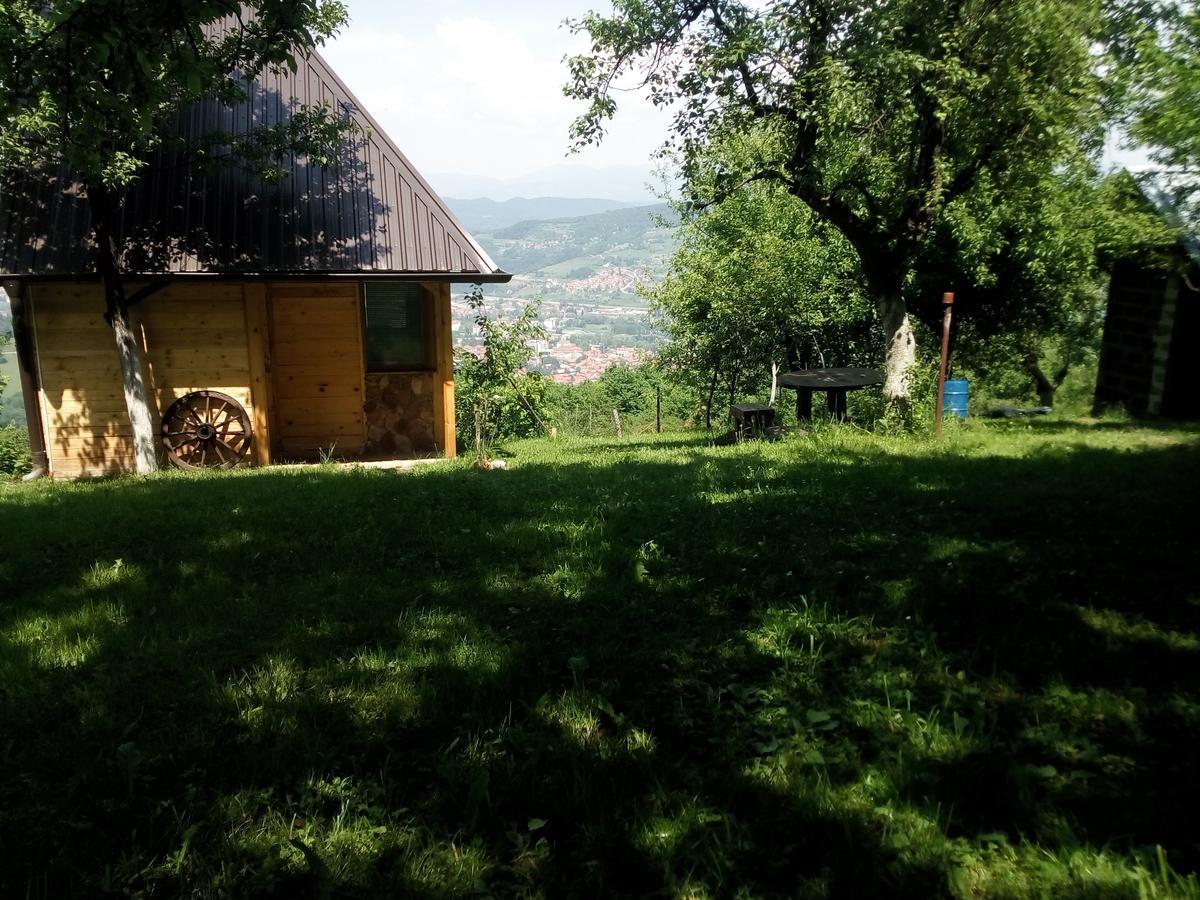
(14, 451)
(496, 397)
(586, 409)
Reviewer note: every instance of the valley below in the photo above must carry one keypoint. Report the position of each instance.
(586, 270)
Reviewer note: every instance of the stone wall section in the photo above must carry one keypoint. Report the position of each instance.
(399, 412)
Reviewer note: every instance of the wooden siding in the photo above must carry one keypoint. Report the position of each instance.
(317, 363)
(443, 382)
(262, 388)
(194, 337)
(290, 352)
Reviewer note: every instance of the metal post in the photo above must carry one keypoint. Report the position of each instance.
(947, 311)
(658, 409)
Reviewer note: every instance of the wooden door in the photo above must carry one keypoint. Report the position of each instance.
(317, 363)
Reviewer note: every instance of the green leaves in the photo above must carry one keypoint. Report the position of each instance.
(758, 279)
(497, 399)
(878, 117)
(90, 84)
(1162, 90)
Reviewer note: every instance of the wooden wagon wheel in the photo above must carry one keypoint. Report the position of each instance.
(206, 430)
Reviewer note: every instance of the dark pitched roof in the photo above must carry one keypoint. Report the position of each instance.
(370, 212)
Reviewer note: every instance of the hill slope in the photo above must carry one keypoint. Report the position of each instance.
(590, 260)
(482, 214)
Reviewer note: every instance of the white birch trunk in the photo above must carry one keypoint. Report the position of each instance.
(129, 347)
(137, 401)
(774, 381)
(900, 352)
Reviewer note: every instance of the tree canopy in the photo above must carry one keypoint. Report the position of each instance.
(1162, 97)
(89, 83)
(876, 116)
(497, 397)
(759, 280)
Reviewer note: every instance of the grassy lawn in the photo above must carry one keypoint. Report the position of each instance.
(840, 665)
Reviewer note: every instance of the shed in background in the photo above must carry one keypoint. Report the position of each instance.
(1150, 352)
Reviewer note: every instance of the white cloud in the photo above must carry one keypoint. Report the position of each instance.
(467, 94)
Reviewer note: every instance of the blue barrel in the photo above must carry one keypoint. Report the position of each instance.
(954, 397)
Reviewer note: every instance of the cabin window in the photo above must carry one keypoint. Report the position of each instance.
(397, 327)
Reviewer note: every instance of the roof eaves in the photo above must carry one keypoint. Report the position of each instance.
(497, 276)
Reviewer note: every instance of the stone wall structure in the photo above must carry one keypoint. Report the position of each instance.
(399, 412)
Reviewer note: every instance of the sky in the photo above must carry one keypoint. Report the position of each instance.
(471, 91)
(475, 88)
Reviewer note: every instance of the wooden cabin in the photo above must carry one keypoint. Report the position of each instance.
(320, 304)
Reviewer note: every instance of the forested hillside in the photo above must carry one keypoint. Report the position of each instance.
(484, 214)
(597, 259)
(10, 385)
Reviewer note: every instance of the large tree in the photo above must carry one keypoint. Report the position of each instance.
(876, 116)
(1028, 264)
(758, 282)
(1162, 97)
(90, 84)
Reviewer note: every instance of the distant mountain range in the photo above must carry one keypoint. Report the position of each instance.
(629, 184)
(577, 244)
(484, 214)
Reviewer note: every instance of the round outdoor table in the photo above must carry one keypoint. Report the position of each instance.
(834, 382)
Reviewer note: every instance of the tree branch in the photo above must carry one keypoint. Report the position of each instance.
(721, 196)
(756, 105)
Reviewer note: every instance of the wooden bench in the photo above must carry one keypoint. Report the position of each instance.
(751, 419)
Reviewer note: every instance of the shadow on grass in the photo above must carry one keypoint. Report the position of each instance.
(651, 677)
(1054, 425)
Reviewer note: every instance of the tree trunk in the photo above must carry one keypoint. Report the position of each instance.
(792, 354)
(1046, 389)
(712, 390)
(129, 349)
(899, 351)
(534, 417)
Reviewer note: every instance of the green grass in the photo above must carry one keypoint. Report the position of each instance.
(840, 665)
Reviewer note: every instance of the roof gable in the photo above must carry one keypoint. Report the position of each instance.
(369, 212)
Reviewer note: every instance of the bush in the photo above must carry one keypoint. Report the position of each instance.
(587, 409)
(496, 397)
(14, 451)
